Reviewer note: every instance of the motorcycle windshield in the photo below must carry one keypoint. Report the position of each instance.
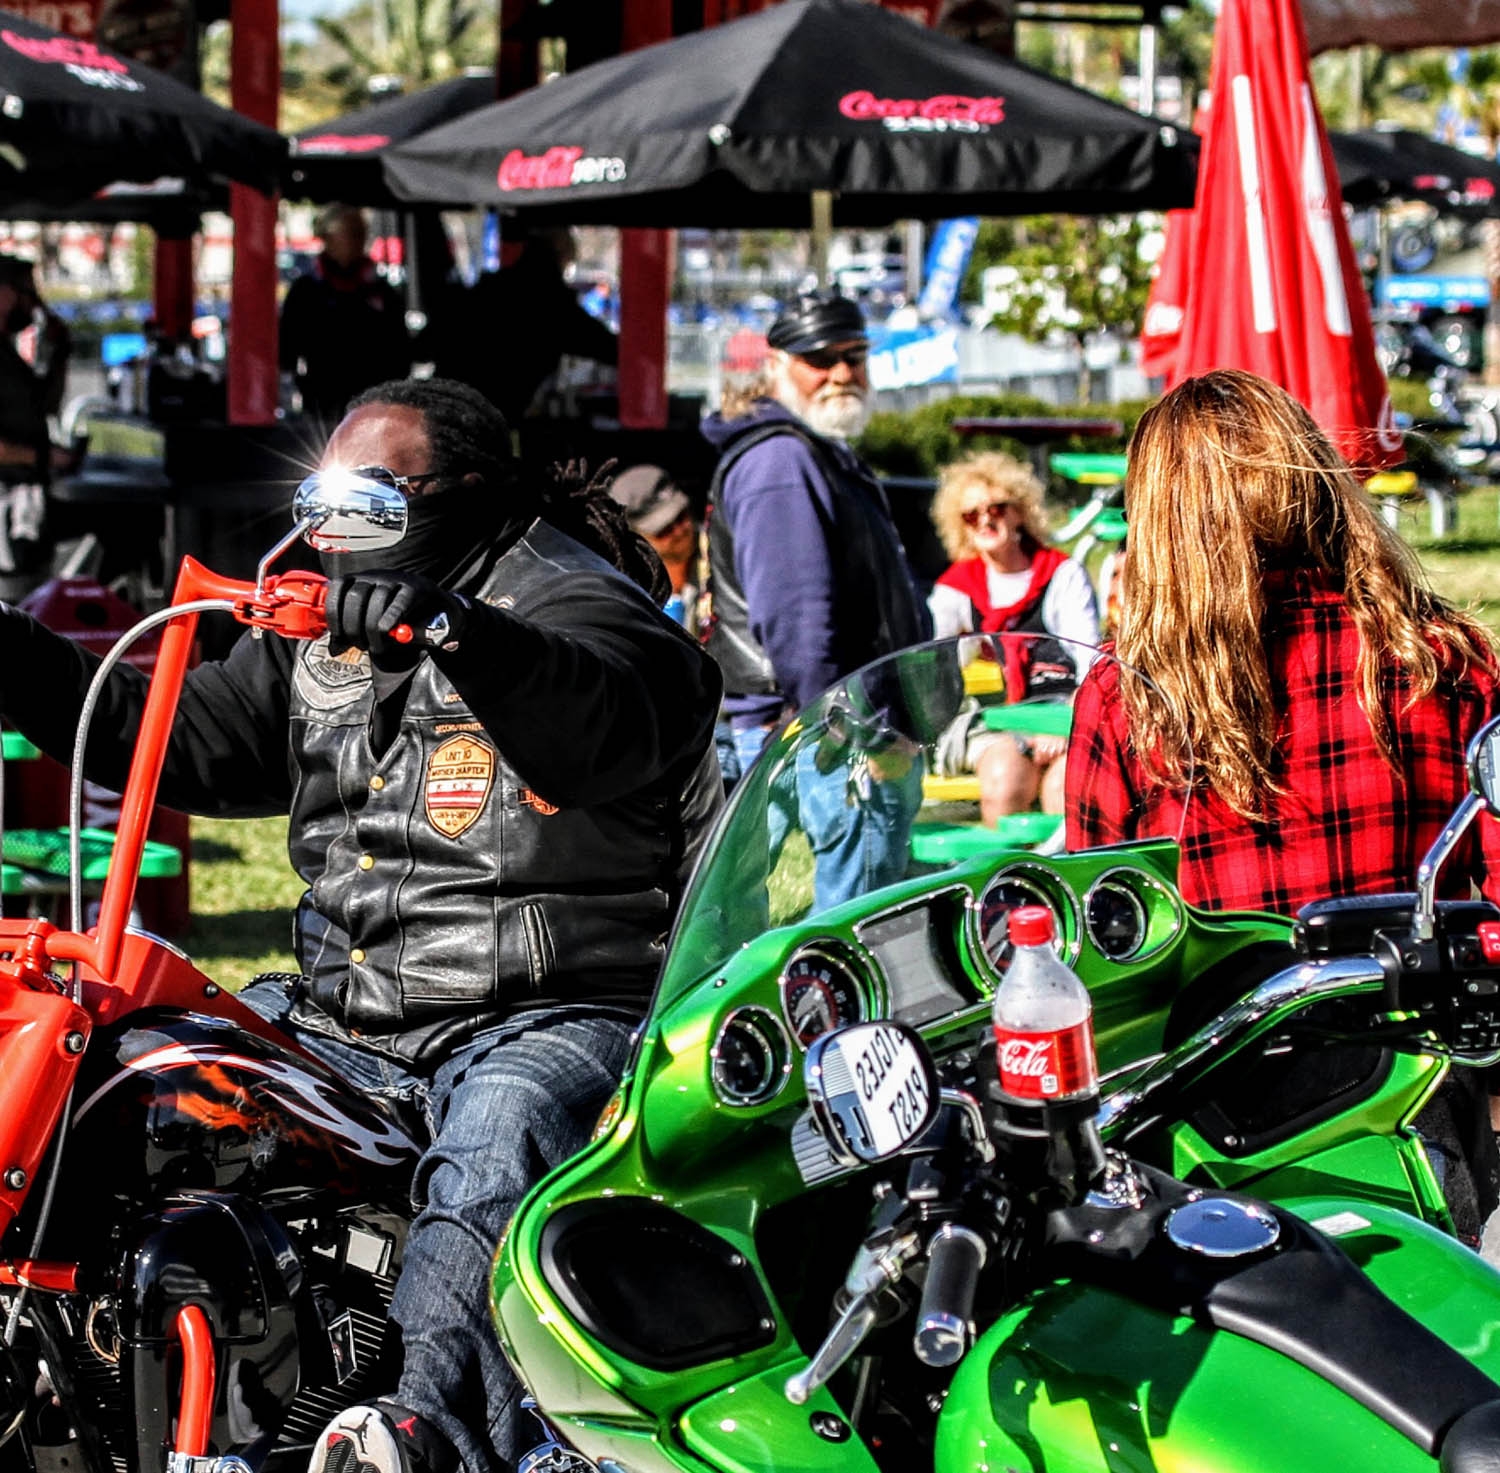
(874, 785)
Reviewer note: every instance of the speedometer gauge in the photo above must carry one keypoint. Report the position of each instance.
(1008, 891)
(819, 994)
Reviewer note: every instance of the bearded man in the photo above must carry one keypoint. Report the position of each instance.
(807, 577)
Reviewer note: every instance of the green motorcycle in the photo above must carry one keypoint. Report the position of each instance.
(1243, 1261)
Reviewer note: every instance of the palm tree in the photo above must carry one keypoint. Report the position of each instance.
(416, 42)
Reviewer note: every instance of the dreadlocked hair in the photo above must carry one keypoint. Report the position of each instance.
(580, 504)
(468, 434)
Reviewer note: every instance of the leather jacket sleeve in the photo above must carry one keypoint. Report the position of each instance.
(590, 694)
(228, 754)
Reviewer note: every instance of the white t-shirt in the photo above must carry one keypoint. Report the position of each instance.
(1069, 608)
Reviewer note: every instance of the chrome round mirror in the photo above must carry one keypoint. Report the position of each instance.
(874, 1090)
(340, 511)
(1484, 765)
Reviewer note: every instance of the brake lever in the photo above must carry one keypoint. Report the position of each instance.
(881, 1261)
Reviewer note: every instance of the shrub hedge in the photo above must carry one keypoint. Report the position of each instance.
(919, 442)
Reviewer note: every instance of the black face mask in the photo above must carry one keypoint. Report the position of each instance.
(447, 533)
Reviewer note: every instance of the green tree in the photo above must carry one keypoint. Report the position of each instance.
(417, 41)
(1070, 274)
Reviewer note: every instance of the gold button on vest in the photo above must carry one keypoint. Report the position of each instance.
(377, 783)
(357, 954)
(367, 861)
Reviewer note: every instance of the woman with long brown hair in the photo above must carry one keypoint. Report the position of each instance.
(1309, 697)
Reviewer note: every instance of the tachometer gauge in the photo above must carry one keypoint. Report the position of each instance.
(819, 994)
(1007, 892)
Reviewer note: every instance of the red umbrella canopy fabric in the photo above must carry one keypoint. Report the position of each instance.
(74, 116)
(1272, 284)
(737, 125)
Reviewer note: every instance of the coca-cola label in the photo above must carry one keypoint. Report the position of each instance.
(82, 59)
(557, 168)
(1046, 1066)
(940, 114)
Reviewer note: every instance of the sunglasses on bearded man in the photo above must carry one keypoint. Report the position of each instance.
(825, 359)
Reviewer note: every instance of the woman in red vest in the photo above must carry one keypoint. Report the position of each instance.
(1005, 578)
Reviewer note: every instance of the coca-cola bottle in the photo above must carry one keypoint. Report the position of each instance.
(1047, 1075)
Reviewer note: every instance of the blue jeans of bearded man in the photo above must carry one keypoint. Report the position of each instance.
(858, 826)
(502, 1111)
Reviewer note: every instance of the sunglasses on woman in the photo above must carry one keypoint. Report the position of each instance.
(824, 359)
(994, 512)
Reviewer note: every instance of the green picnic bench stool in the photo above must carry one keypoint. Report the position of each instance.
(16, 748)
(1088, 467)
(36, 860)
(948, 843)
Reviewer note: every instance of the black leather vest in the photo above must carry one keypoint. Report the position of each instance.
(443, 893)
(877, 609)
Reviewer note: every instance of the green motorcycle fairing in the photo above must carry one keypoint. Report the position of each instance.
(1078, 1379)
(707, 1172)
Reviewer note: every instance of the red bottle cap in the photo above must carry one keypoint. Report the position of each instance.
(1031, 925)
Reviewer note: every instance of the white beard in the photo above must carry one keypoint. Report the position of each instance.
(838, 411)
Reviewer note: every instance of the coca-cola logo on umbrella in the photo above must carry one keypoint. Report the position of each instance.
(557, 168)
(82, 59)
(939, 114)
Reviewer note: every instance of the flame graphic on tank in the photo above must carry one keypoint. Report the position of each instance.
(302, 1094)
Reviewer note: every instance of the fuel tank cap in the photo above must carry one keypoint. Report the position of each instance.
(1222, 1227)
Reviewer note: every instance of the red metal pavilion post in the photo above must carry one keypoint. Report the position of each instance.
(255, 87)
(645, 269)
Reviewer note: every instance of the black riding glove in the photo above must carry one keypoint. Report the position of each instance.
(364, 609)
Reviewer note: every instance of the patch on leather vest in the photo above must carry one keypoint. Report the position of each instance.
(460, 774)
(326, 682)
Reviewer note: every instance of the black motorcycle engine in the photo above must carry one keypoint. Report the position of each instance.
(298, 1306)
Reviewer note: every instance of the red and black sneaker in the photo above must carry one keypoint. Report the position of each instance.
(381, 1438)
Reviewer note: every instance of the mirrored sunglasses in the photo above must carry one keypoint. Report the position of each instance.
(343, 477)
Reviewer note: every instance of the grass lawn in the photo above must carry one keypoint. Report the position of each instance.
(1464, 567)
(243, 889)
(243, 894)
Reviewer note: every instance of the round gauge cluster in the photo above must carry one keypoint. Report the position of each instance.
(751, 1057)
(819, 993)
(1116, 919)
(1130, 914)
(1008, 891)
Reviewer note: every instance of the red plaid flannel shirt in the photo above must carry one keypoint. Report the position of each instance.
(1346, 823)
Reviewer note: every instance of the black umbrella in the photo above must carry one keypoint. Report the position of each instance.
(1366, 175)
(737, 125)
(1418, 167)
(74, 117)
(340, 159)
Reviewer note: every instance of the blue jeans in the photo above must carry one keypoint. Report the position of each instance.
(858, 828)
(502, 1111)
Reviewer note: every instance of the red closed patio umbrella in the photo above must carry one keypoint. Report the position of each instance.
(1271, 281)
